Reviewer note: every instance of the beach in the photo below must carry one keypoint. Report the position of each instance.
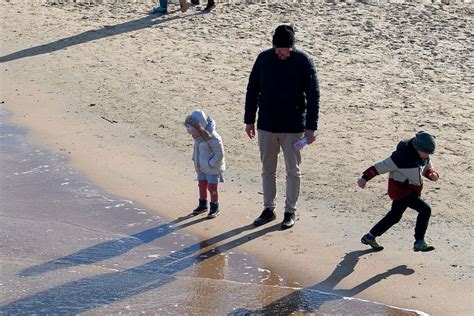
(110, 85)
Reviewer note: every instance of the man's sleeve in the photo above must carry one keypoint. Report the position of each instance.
(312, 95)
(253, 92)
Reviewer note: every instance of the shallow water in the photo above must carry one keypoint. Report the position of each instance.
(69, 247)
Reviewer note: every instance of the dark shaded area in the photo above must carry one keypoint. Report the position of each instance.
(91, 292)
(309, 300)
(109, 249)
(92, 35)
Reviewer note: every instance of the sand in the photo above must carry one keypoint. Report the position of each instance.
(110, 85)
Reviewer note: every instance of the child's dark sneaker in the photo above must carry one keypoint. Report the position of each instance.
(202, 207)
(367, 240)
(422, 246)
(267, 215)
(288, 220)
(214, 210)
(195, 2)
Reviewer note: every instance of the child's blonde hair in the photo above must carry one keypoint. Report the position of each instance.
(194, 123)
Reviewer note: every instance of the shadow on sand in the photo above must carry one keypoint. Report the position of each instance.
(91, 292)
(109, 249)
(309, 300)
(92, 35)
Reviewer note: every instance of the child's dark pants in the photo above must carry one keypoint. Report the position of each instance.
(398, 208)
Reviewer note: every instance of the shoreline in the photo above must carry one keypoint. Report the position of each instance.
(73, 86)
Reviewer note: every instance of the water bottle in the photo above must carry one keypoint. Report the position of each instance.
(301, 143)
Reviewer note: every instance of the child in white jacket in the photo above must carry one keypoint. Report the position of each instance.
(208, 157)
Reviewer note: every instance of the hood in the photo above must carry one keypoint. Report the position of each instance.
(402, 145)
(405, 148)
(205, 125)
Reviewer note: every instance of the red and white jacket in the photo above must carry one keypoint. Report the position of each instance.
(406, 171)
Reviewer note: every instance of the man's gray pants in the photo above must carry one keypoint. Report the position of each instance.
(270, 144)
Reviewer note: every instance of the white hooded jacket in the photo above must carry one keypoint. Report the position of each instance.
(208, 153)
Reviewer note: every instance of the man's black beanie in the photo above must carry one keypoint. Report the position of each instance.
(284, 36)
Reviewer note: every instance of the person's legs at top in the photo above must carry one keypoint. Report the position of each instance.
(210, 5)
(162, 9)
(293, 176)
(184, 5)
(269, 150)
(422, 220)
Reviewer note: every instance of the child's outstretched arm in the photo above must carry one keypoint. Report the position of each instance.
(368, 174)
(380, 167)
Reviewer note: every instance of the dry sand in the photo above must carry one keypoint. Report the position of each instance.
(386, 70)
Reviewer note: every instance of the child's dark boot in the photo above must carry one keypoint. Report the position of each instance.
(202, 207)
(214, 210)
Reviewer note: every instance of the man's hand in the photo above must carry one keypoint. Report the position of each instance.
(361, 182)
(250, 130)
(310, 136)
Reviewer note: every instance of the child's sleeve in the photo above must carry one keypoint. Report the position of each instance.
(386, 165)
(430, 171)
(369, 173)
(380, 167)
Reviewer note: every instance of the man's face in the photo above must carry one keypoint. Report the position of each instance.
(283, 52)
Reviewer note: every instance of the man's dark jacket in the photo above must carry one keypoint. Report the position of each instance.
(285, 92)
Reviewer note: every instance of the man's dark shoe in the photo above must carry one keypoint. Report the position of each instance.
(214, 210)
(194, 2)
(267, 215)
(366, 240)
(202, 207)
(422, 246)
(288, 220)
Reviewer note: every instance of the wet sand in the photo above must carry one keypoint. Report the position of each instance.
(69, 247)
(110, 88)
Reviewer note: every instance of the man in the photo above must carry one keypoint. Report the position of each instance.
(283, 87)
